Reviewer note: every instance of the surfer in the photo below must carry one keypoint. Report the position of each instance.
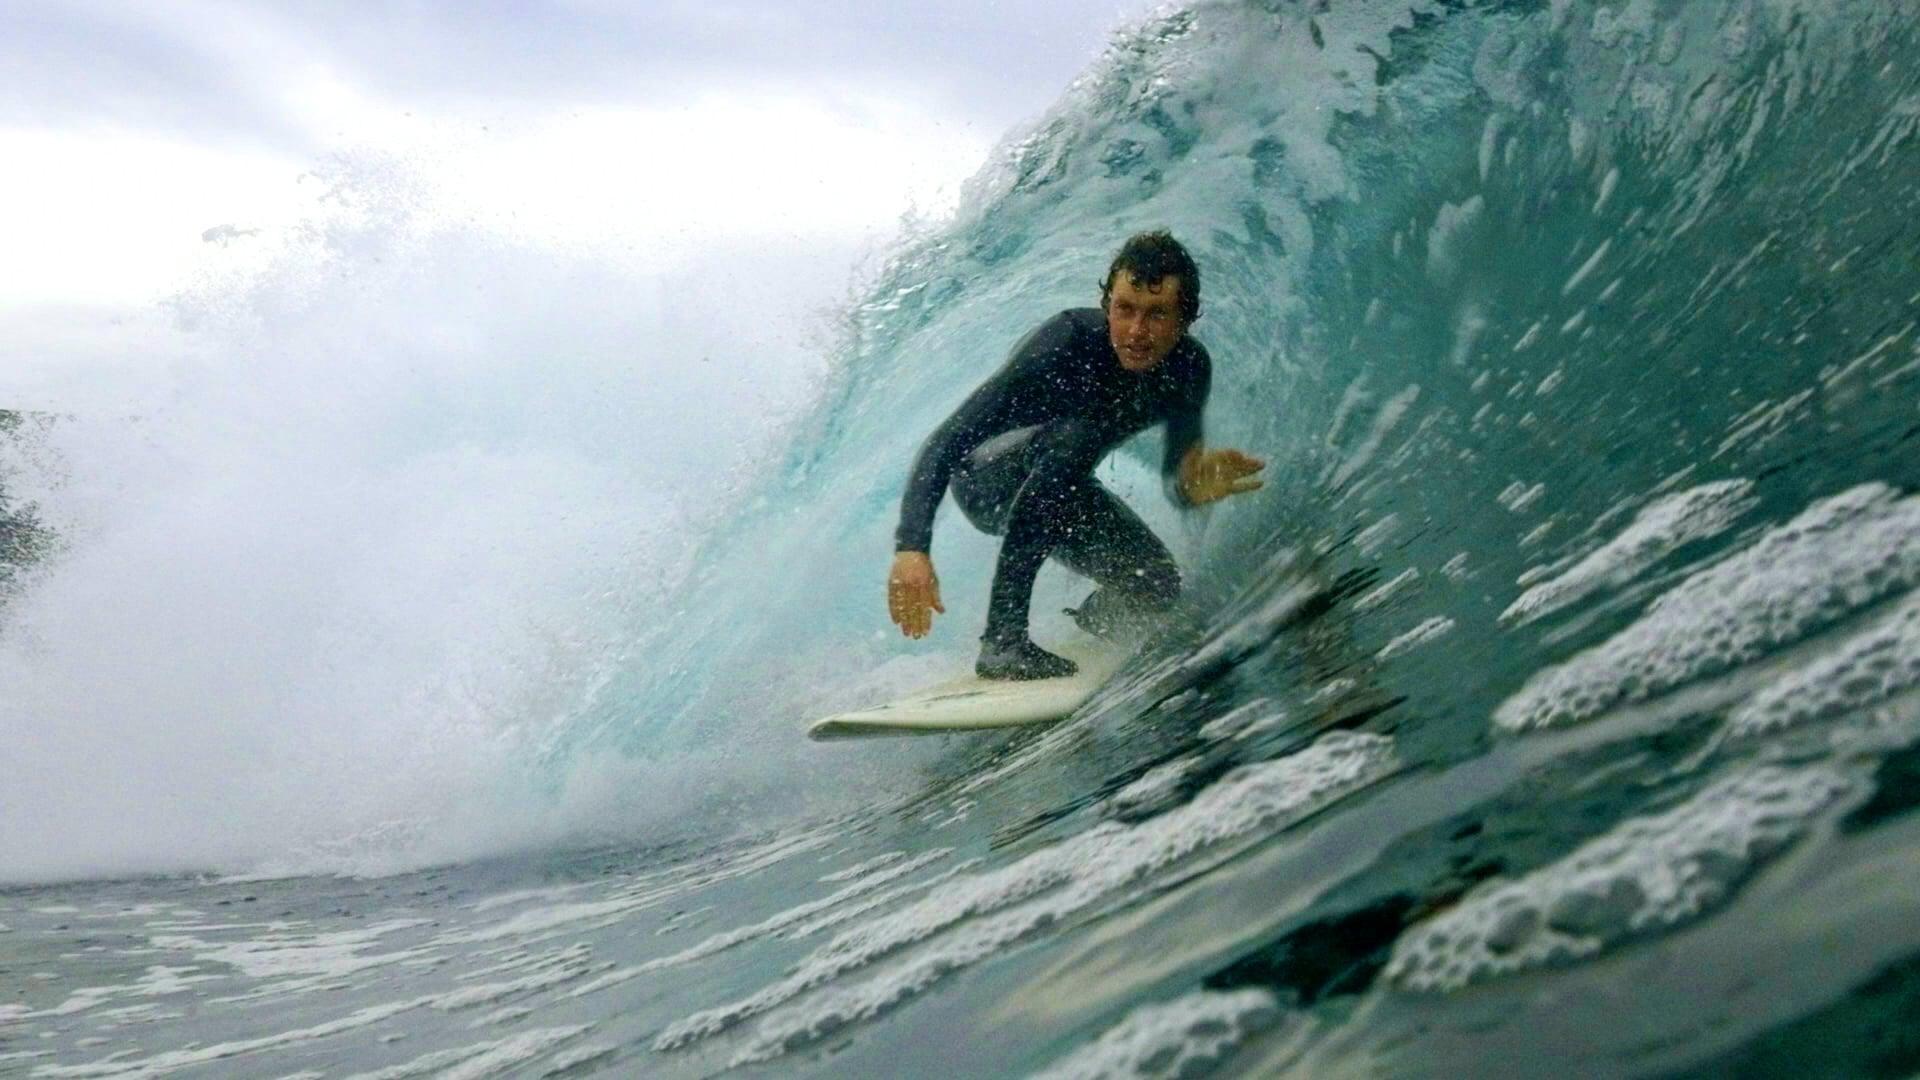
(1021, 450)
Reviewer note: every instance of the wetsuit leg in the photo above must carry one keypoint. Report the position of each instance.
(987, 481)
(1137, 576)
(1062, 511)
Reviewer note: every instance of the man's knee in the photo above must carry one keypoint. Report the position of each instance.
(1157, 584)
(1129, 603)
(1151, 586)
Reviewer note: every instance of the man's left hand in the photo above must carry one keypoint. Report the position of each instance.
(1211, 475)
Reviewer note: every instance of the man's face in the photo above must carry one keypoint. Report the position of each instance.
(1143, 321)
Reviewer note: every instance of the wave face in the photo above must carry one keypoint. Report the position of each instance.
(1554, 705)
(1537, 312)
(1581, 339)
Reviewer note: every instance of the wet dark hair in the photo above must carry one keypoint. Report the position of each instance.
(1150, 258)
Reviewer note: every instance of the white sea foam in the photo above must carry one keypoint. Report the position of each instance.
(769, 926)
(1178, 1038)
(1647, 874)
(1879, 730)
(1257, 715)
(1437, 627)
(1391, 413)
(572, 918)
(989, 911)
(288, 951)
(1587, 268)
(1248, 630)
(198, 1055)
(481, 1059)
(537, 971)
(867, 867)
(501, 1017)
(1370, 539)
(1333, 689)
(827, 920)
(578, 1057)
(1873, 665)
(1387, 590)
(1518, 497)
(1154, 790)
(1453, 230)
(1657, 530)
(159, 980)
(1837, 556)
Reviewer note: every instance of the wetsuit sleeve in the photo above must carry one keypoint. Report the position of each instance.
(986, 412)
(1185, 426)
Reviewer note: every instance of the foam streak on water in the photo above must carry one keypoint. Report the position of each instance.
(1178, 1038)
(1839, 556)
(1648, 874)
(1038, 891)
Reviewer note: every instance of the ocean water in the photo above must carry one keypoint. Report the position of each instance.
(1552, 712)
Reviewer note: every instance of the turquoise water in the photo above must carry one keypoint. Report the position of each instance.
(1551, 712)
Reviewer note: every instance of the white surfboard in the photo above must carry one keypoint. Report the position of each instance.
(976, 704)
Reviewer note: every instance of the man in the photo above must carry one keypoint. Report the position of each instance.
(1020, 454)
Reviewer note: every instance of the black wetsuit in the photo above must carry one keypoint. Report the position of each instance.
(1020, 453)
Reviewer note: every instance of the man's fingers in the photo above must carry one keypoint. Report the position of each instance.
(901, 608)
(911, 607)
(1225, 472)
(1234, 464)
(1243, 464)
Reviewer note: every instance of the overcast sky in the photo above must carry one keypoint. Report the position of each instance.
(130, 129)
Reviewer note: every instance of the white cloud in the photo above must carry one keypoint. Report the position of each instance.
(651, 135)
(122, 218)
(721, 168)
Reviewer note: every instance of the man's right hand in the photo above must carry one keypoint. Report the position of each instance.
(913, 593)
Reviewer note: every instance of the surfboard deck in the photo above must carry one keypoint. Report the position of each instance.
(976, 704)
